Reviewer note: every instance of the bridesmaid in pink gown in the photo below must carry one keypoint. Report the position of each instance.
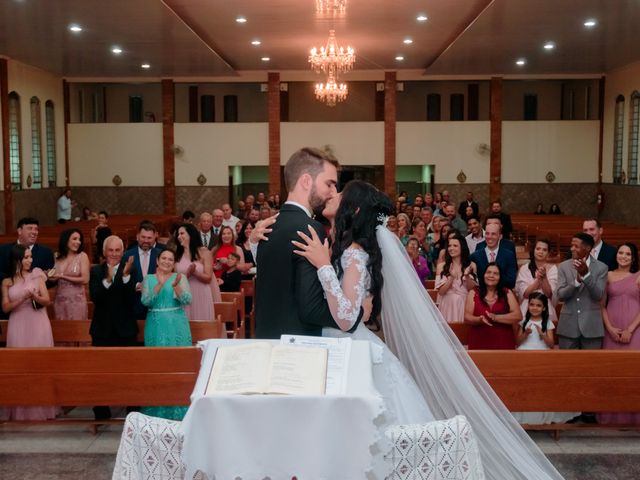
(72, 273)
(194, 261)
(28, 326)
(622, 316)
(451, 282)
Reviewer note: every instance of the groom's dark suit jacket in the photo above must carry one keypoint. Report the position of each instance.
(289, 297)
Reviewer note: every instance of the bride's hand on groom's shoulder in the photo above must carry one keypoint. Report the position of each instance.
(314, 250)
(262, 229)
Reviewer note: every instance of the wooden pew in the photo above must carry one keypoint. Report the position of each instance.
(524, 380)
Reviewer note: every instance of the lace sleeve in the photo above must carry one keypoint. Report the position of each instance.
(345, 298)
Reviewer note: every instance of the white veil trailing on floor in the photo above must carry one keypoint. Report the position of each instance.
(451, 383)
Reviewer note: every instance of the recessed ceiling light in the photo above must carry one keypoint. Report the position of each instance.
(75, 28)
(265, 59)
(400, 58)
(590, 23)
(256, 42)
(521, 62)
(145, 65)
(549, 46)
(407, 41)
(422, 18)
(241, 19)
(116, 50)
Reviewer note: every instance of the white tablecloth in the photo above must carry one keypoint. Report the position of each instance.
(274, 436)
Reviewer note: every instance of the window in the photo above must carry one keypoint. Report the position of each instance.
(15, 170)
(531, 107)
(433, 107)
(36, 144)
(634, 127)
(456, 107)
(50, 132)
(618, 132)
(135, 108)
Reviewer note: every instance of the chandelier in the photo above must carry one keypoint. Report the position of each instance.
(331, 92)
(332, 56)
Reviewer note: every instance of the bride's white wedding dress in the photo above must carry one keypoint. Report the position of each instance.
(431, 376)
(403, 400)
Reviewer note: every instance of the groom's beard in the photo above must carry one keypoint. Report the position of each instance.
(316, 202)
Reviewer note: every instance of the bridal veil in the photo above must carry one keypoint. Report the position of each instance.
(447, 377)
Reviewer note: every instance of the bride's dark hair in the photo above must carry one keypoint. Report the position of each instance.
(362, 208)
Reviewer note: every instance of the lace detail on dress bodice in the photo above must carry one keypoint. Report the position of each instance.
(345, 298)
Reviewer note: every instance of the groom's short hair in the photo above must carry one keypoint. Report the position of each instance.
(306, 160)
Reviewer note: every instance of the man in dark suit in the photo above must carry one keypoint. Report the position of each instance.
(145, 258)
(289, 297)
(469, 202)
(504, 243)
(27, 230)
(205, 229)
(493, 252)
(113, 294)
(505, 218)
(601, 251)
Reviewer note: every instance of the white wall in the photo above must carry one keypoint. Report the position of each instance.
(28, 82)
(210, 148)
(450, 146)
(569, 149)
(352, 143)
(98, 151)
(624, 82)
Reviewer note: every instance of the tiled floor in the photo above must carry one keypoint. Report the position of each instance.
(72, 452)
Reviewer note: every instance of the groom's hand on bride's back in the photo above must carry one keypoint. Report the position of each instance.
(262, 229)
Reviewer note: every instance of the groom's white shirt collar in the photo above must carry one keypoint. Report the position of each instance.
(300, 206)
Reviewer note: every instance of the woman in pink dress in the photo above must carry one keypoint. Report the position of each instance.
(225, 244)
(622, 316)
(24, 296)
(451, 282)
(72, 274)
(194, 261)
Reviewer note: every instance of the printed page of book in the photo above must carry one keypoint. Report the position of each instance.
(240, 369)
(298, 370)
(339, 349)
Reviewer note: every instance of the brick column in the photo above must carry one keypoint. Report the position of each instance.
(6, 169)
(67, 120)
(273, 107)
(168, 94)
(495, 165)
(390, 133)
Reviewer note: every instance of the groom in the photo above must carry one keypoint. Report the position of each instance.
(289, 297)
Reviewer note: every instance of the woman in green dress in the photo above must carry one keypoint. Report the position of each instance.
(166, 293)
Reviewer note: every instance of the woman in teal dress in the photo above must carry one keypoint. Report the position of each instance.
(166, 293)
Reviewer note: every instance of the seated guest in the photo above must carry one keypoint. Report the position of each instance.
(195, 262)
(436, 227)
(494, 252)
(539, 275)
(188, 216)
(228, 218)
(427, 216)
(253, 215)
(230, 280)
(145, 258)
(476, 233)
(419, 261)
(540, 210)
(244, 243)
(99, 233)
(469, 203)
(419, 232)
(455, 220)
(491, 309)
(88, 214)
(225, 244)
(392, 224)
(451, 282)
(71, 272)
(165, 293)
(535, 332)
(23, 295)
(404, 228)
(622, 316)
(505, 218)
(265, 212)
(113, 293)
(554, 209)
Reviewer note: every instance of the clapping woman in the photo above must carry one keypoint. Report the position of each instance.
(539, 275)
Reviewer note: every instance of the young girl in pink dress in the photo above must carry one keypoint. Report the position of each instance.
(24, 297)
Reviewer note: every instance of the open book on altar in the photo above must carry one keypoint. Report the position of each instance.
(264, 368)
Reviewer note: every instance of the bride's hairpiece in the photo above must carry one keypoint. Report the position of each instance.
(383, 219)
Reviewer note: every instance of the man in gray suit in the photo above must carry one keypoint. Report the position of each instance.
(581, 284)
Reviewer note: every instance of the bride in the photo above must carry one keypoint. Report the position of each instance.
(431, 375)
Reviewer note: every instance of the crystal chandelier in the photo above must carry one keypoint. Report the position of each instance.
(331, 92)
(331, 56)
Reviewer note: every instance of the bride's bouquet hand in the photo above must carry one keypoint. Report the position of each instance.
(313, 249)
